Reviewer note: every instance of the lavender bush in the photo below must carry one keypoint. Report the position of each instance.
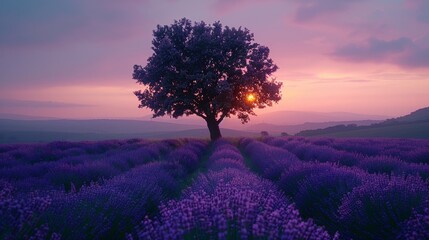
(230, 203)
(110, 209)
(87, 168)
(408, 150)
(382, 164)
(320, 195)
(377, 209)
(245, 189)
(316, 152)
(416, 227)
(16, 211)
(292, 178)
(319, 189)
(269, 161)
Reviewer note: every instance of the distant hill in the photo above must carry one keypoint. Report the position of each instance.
(280, 118)
(298, 117)
(419, 115)
(274, 130)
(413, 125)
(23, 117)
(104, 126)
(28, 131)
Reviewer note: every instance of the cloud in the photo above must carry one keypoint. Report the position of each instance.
(311, 9)
(339, 80)
(401, 51)
(44, 22)
(359, 80)
(420, 8)
(12, 103)
(374, 49)
(224, 6)
(416, 58)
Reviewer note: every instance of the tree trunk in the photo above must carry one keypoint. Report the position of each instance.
(214, 129)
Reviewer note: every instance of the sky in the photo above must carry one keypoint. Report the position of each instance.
(74, 58)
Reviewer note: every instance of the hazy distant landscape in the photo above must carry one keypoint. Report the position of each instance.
(24, 129)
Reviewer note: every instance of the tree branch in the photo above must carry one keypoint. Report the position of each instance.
(198, 114)
(221, 117)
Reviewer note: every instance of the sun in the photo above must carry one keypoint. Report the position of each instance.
(250, 98)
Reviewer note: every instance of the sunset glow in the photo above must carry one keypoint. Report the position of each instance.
(250, 98)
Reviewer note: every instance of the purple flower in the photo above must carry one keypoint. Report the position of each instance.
(229, 203)
(377, 209)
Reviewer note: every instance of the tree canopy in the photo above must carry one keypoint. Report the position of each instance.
(207, 70)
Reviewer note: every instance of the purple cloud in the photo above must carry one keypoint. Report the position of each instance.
(402, 51)
(45, 22)
(416, 58)
(311, 9)
(421, 8)
(374, 49)
(222, 6)
(13, 103)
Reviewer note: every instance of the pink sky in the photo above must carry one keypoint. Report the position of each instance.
(73, 59)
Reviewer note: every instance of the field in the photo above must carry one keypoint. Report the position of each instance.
(267, 188)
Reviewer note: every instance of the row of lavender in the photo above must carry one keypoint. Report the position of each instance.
(229, 202)
(408, 150)
(389, 156)
(358, 204)
(147, 173)
(70, 165)
(111, 185)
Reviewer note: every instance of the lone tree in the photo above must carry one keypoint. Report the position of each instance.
(207, 70)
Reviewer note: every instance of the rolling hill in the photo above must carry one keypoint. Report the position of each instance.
(274, 130)
(413, 125)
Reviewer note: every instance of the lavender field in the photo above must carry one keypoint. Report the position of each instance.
(268, 188)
